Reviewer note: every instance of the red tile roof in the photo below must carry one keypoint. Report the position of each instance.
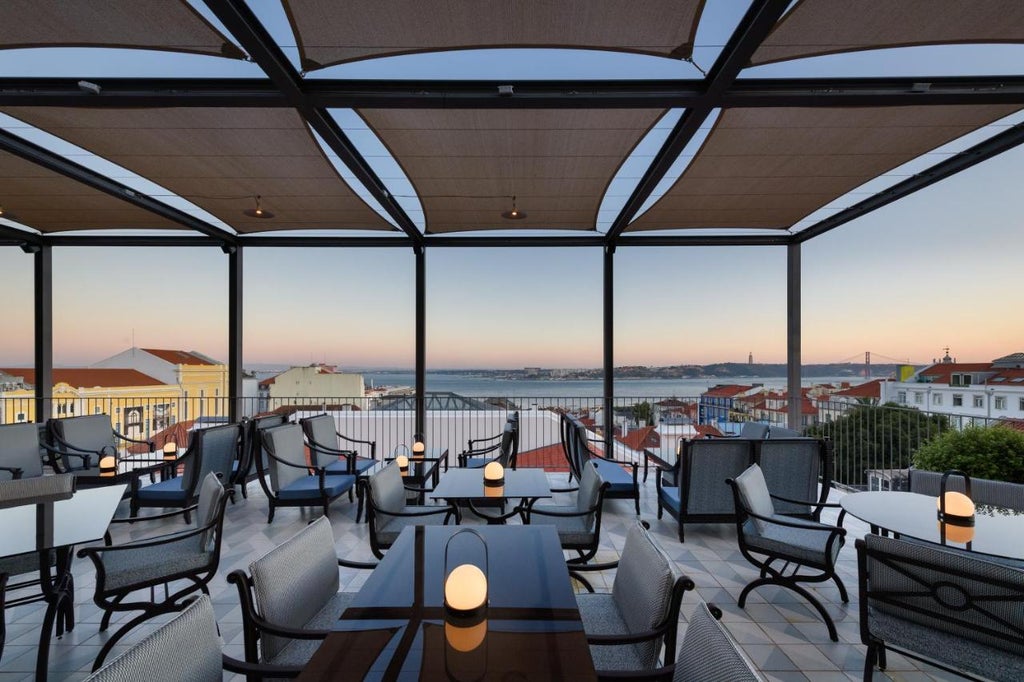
(726, 391)
(1017, 424)
(706, 430)
(869, 389)
(548, 457)
(177, 433)
(640, 438)
(88, 377)
(177, 357)
(942, 372)
(671, 402)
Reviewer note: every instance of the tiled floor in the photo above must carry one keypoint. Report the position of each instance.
(784, 637)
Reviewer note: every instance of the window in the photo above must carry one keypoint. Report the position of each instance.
(96, 410)
(937, 399)
(1020, 406)
(918, 397)
(958, 400)
(901, 397)
(1000, 402)
(20, 417)
(979, 401)
(960, 380)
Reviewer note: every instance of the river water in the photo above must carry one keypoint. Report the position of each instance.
(471, 385)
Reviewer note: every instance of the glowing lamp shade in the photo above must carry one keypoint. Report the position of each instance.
(955, 508)
(950, 532)
(170, 450)
(418, 448)
(465, 590)
(108, 465)
(494, 491)
(494, 475)
(403, 463)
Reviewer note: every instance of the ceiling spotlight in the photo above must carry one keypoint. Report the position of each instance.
(514, 214)
(258, 212)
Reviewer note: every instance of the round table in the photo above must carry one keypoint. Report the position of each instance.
(998, 532)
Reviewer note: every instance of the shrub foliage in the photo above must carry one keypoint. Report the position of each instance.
(994, 452)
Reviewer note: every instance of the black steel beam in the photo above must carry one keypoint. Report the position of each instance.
(254, 39)
(107, 240)
(236, 292)
(421, 343)
(43, 331)
(485, 94)
(608, 329)
(761, 16)
(58, 164)
(16, 237)
(997, 144)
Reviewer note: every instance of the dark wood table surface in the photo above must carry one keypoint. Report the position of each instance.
(996, 532)
(397, 626)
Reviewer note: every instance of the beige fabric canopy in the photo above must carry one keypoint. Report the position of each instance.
(330, 32)
(49, 202)
(466, 165)
(220, 159)
(817, 27)
(770, 167)
(170, 25)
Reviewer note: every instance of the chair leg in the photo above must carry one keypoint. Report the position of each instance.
(869, 662)
(636, 502)
(270, 514)
(188, 516)
(842, 588)
(3, 618)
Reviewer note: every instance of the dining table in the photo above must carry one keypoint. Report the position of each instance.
(466, 486)
(996, 531)
(52, 529)
(397, 626)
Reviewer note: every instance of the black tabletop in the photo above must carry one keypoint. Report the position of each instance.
(397, 626)
(996, 531)
(461, 484)
(82, 518)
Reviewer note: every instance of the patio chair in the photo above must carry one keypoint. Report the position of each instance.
(694, 490)
(20, 451)
(627, 626)
(192, 555)
(245, 470)
(187, 647)
(766, 537)
(325, 446)
(751, 431)
(289, 480)
(388, 511)
(578, 523)
(957, 610)
(621, 476)
(290, 598)
(798, 472)
(500, 451)
(213, 450)
(78, 443)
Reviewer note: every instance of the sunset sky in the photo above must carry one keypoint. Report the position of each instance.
(939, 268)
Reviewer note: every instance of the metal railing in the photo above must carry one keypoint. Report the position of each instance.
(871, 442)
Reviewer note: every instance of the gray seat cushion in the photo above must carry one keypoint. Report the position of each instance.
(601, 616)
(19, 447)
(388, 527)
(806, 545)
(754, 494)
(572, 530)
(135, 566)
(297, 652)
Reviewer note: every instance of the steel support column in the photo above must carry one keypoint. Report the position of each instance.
(43, 256)
(421, 341)
(235, 294)
(793, 334)
(609, 349)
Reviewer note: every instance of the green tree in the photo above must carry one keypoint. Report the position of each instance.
(877, 437)
(995, 452)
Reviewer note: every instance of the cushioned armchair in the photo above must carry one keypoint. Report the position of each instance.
(776, 544)
(798, 472)
(694, 490)
(579, 522)
(187, 647)
(957, 610)
(290, 598)
(78, 443)
(627, 627)
(20, 451)
(191, 556)
(289, 480)
(332, 450)
(621, 476)
(387, 510)
(245, 468)
(211, 450)
(500, 451)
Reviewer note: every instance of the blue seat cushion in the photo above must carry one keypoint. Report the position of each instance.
(669, 498)
(167, 490)
(341, 466)
(308, 487)
(477, 462)
(619, 480)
